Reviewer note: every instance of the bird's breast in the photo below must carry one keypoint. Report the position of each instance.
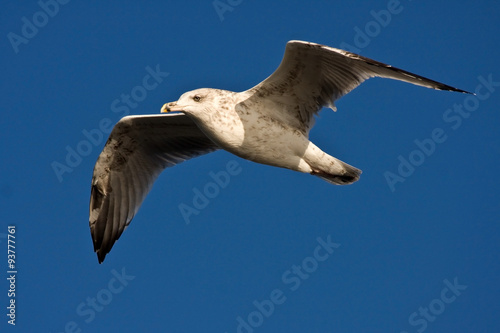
(254, 136)
(224, 128)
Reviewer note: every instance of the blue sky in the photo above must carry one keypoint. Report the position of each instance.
(273, 250)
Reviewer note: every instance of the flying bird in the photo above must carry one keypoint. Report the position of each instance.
(267, 124)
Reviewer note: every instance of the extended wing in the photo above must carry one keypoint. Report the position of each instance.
(138, 149)
(312, 76)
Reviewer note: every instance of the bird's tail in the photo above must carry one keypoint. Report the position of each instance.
(329, 168)
(345, 176)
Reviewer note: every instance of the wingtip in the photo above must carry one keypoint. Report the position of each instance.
(464, 91)
(100, 256)
(450, 88)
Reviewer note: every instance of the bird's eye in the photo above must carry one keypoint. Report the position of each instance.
(197, 98)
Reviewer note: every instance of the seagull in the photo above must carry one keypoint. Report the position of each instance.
(267, 124)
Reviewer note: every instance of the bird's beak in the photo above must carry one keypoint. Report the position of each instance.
(170, 107)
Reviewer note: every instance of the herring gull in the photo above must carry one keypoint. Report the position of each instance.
(267, 124)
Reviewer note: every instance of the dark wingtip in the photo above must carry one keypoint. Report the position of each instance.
(463, 91)
(100, 256)
(97, 247)
(450, 88)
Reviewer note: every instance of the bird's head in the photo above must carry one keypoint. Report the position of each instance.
(193, 102)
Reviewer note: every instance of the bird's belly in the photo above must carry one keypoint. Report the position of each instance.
(271, 146)
(259, 140)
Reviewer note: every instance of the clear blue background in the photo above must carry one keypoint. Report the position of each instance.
(396, 248)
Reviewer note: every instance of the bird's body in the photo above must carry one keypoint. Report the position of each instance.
(245, 131)
(267, 124)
